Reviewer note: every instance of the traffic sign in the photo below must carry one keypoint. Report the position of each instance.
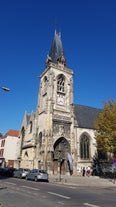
(114, 160)
(114, 166)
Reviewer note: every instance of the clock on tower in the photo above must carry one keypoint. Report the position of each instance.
(60, 99)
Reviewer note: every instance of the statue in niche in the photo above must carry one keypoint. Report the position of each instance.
(61, 130)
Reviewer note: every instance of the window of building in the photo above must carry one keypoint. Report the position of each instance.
(40, 139)
(31, 126)
(84, 147)
(23, 132)
(26, 154)
(45, 85)
(23, 135)
(1, 152)
(3, 143)
(61, 83)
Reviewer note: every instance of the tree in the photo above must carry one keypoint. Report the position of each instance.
(106, 128)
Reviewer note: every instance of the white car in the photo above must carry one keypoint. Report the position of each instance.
(37, 175)
(21, 173)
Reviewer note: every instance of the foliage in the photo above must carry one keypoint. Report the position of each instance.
(106, 128)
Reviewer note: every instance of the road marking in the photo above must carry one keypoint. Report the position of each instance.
(24, 186)
(72, 187)
(91, 205)
(10, 183)
(60, 203)
(62, 196)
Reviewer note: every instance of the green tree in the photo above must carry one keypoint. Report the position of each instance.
(106, 128)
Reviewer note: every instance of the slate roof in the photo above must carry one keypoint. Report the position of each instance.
(56, 50)
(86, 116)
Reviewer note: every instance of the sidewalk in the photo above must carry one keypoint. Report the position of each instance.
(78, 181)
(83, 181)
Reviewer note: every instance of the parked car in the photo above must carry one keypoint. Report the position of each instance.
(7, 171)
(21, 173)
(37, 175)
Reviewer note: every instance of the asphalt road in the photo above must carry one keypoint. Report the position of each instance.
(17, 192)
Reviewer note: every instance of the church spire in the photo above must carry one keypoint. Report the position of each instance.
(56, 54)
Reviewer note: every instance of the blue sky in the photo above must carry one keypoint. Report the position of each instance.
(88, 32)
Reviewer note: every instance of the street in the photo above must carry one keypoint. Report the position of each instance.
(18, 192)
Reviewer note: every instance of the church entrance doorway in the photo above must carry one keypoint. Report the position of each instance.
(61, 149)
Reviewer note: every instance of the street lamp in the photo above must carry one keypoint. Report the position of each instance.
(60, 163)
(5, 89)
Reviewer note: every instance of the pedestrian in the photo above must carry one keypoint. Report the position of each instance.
(83, 171)
(88, 171)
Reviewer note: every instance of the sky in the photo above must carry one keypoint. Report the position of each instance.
(88, 34)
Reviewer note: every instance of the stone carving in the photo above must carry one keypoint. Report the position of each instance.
(60, 117)
(61, 129)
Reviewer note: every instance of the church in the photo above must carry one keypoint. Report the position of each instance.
(60, 135)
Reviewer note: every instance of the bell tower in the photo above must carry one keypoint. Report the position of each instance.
(55, 119)
(56, 81)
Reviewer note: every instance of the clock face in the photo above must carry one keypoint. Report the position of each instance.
(60, 99)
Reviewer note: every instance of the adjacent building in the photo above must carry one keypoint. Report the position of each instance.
(60, 135)
(9, 148)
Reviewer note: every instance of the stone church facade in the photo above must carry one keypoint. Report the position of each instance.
(60, 135)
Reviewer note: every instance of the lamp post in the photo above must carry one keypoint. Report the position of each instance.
(5, 89)
(60, 161)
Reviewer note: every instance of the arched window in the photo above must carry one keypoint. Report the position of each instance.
(45, 79)
(45, 84)
(26, 154)
(23, 136)
(61, 83)
(31, 125)
(23, 133)
(40, 139)
(84, 147)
